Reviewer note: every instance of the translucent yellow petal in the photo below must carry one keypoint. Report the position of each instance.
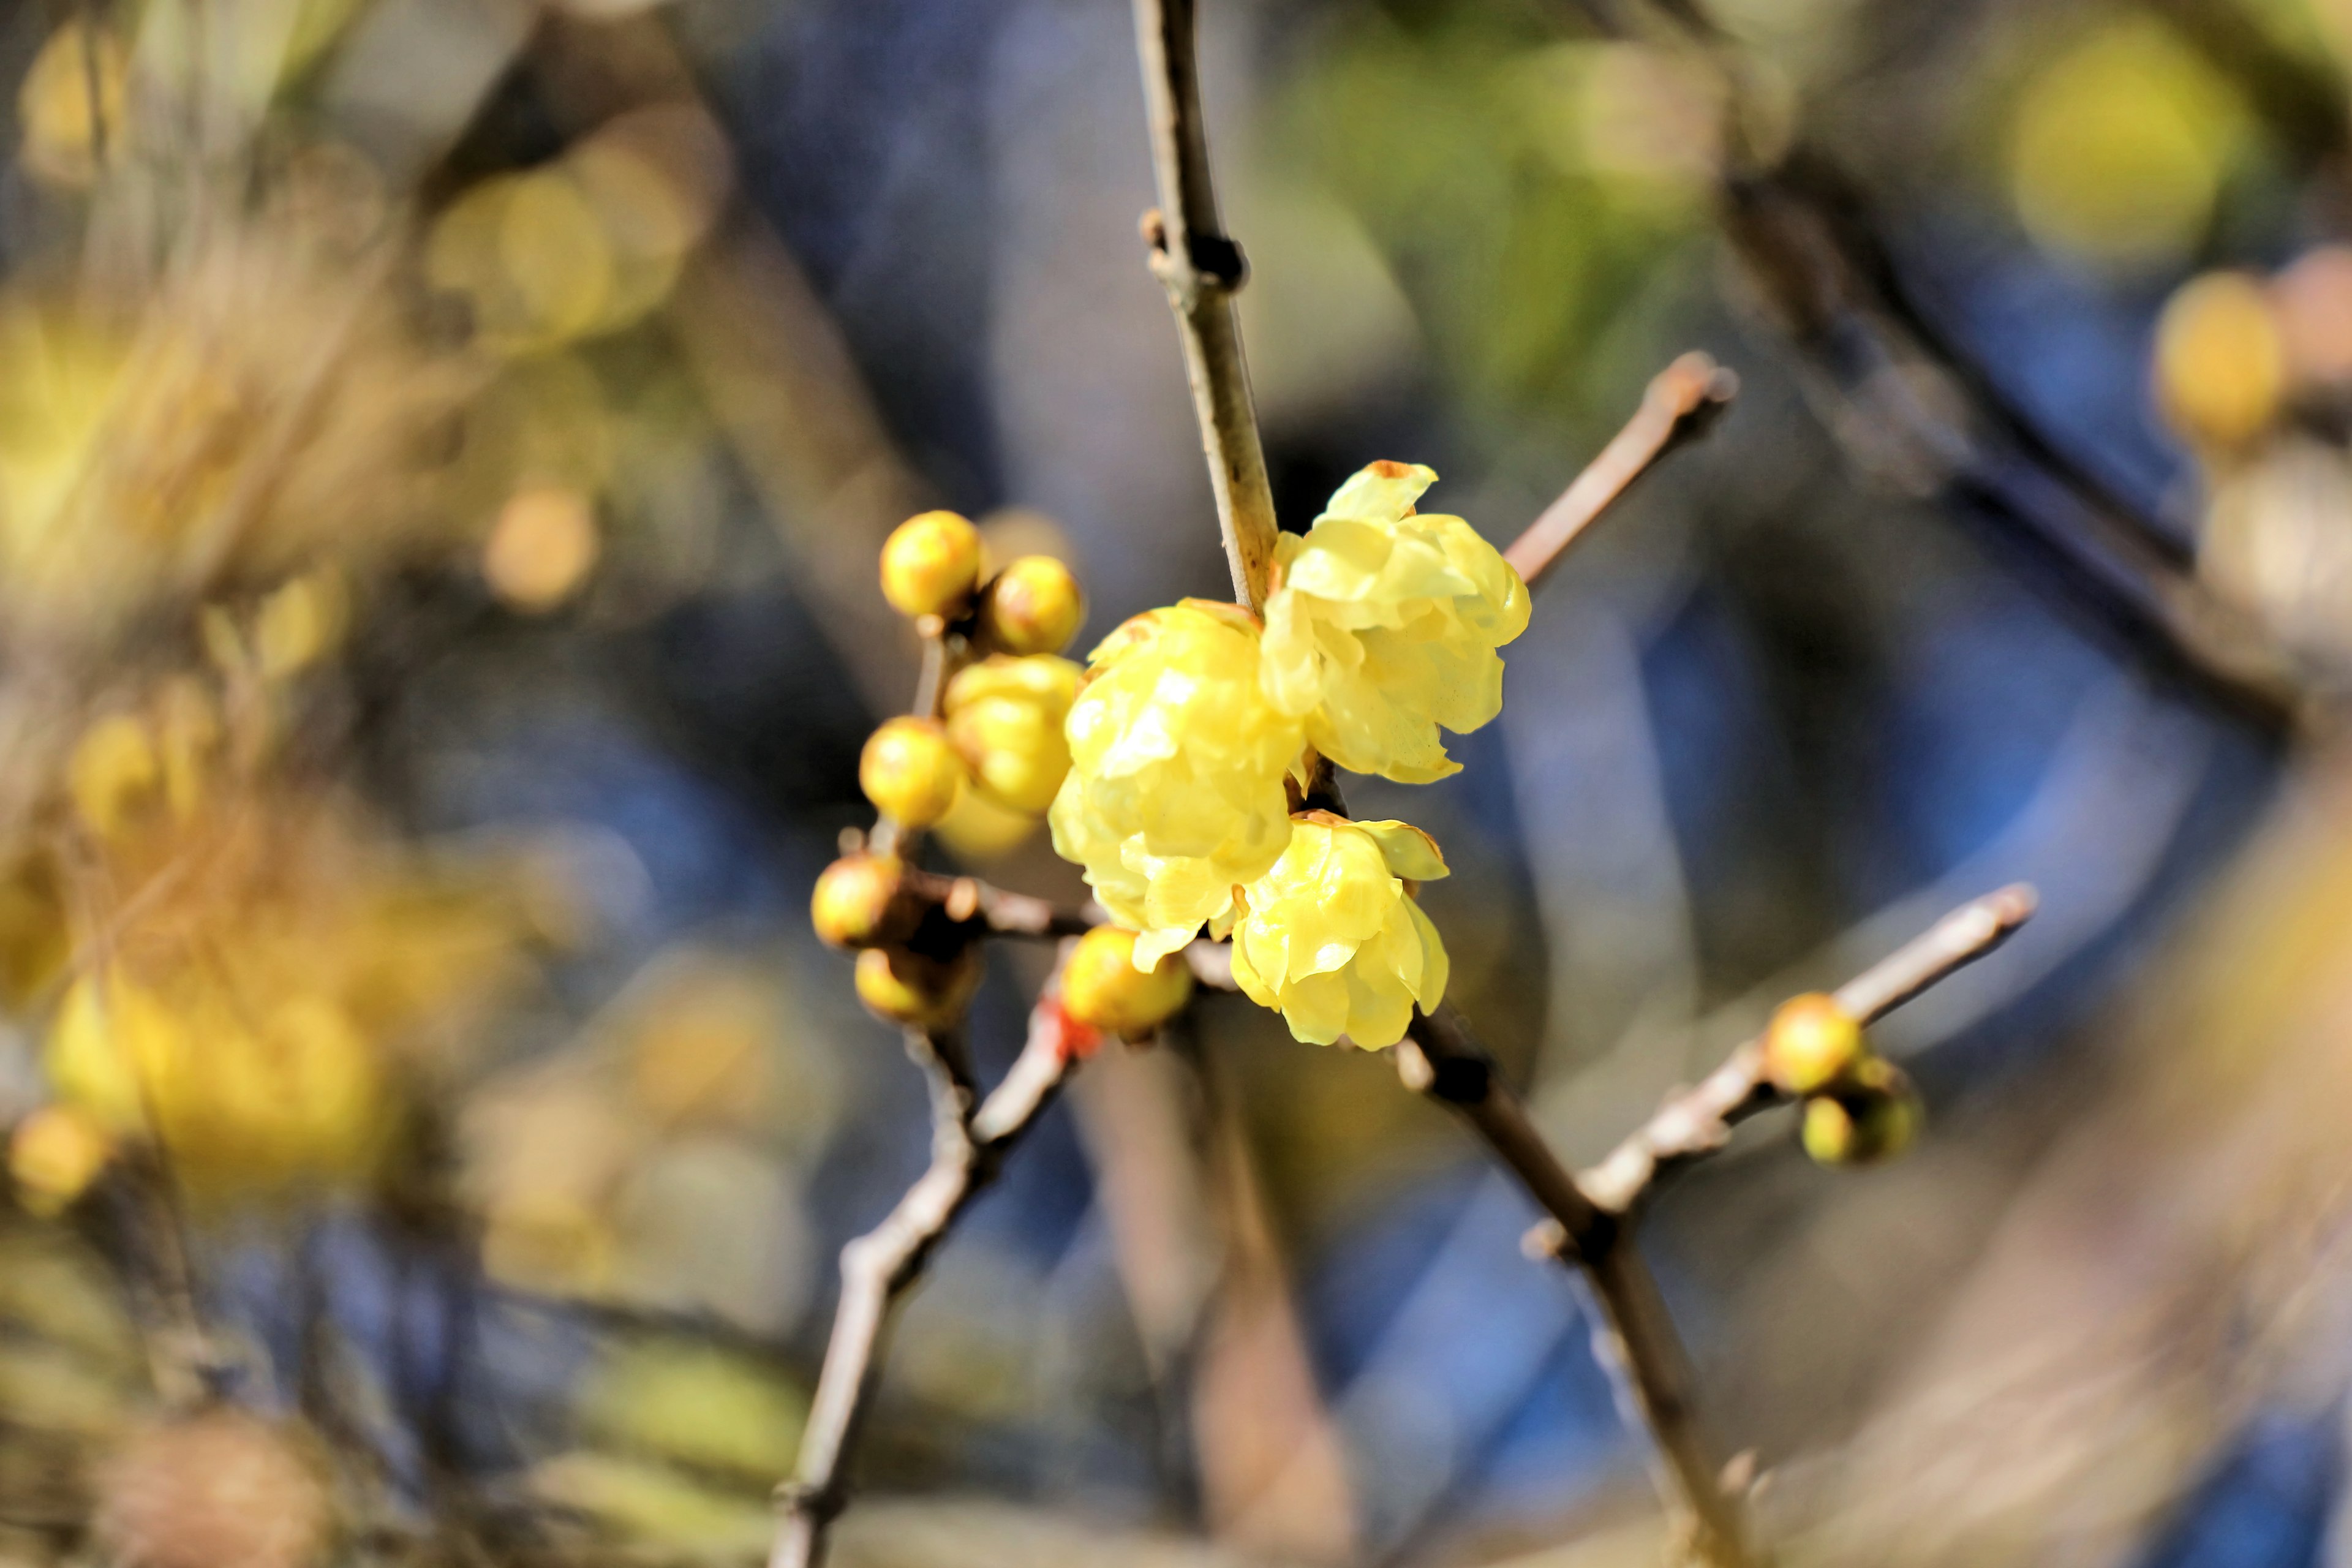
(1410, 852)
(1383, 492)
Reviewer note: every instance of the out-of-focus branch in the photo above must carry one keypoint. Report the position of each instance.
(1697, 1121)
(1820, 263)
(879, 1269)
(1681, 404)
(1200, 268)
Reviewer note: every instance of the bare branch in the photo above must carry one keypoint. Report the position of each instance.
(1697, 1121)
(1633, 1338)
(879, 1269)
(1200, 268)
(1682, 402)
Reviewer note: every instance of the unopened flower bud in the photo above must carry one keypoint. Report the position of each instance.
(2221, 361)
(1812, 1043)
(1103, 989)
(1875, 1118)
(1034, 606)
(909, 988)
(909, 772)
(1005, 717)
(857, 901)
(930, 564)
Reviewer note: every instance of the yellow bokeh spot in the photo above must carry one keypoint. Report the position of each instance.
(70, 105)
(54, 1154)
(243, 1091)
(2118, 147)
(543, 548)
(114, 775)
(2221, 361)
(298, 623)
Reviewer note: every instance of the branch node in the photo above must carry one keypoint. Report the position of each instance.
(1543, 1241)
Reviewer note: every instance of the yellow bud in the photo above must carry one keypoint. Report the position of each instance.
(1103, 989)
(857, 901)
(2221, 365)
(1874, 1119)
(1811, 1044)
(909, 772)
(909, 988)
(930, 564)
(54, 1154)
(1034, 606)
(1006, 718)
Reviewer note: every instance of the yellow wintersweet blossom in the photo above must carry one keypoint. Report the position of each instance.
(1004, 718)
(1332, 938)
(1383, 626)
(1175, 792)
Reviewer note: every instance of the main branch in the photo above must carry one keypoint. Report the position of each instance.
(1200, 268)
(878, 1268)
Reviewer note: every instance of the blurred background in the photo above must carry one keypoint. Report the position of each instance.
(443, 446)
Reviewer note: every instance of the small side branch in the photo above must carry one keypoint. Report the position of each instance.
(1682, 402)
(879, 1269)
(1201, 268)
(1696, 1121)
(1590, 1215)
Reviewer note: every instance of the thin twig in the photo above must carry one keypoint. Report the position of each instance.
(1200, 268)
(968, 901)
(1682, 402)
(1697, 1121)
(880, 1268)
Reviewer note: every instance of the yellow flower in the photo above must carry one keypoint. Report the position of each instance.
(1383, 626)
(1331, 939)
(1175, 792)
(1004, 717)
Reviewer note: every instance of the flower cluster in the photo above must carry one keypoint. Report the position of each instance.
(1194, 739)
(991, 742)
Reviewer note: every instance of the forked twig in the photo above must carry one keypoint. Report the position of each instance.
(1591, 1217)
(1682, 402)
(969, 1143)
(1697, 1121)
